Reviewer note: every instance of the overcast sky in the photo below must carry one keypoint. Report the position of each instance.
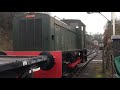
(95, 22)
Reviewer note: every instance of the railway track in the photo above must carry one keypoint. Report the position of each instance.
(83, 65)
(76, 72)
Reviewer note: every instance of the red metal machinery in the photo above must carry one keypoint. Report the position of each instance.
(53, 67)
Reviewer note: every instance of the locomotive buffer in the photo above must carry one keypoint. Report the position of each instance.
(14, 63)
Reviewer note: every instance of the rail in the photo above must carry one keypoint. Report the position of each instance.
(77, 72)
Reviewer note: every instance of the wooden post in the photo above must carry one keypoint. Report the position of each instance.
(103, 60)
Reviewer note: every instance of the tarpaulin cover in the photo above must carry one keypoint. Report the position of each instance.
(117, 65)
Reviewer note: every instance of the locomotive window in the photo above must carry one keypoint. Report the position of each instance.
(74, 24)
(77, 26)
(82, 28)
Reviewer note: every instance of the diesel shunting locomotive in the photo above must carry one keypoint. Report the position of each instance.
(62, 41)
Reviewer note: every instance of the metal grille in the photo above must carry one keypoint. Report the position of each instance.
(29, 35)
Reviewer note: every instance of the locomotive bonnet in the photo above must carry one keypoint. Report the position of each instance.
(42, 32)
